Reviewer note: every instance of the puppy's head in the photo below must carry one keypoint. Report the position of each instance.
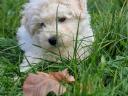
(54, 22)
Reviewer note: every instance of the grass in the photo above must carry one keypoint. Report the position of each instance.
(104, 73)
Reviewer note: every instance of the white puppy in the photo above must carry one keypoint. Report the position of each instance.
(50, 28)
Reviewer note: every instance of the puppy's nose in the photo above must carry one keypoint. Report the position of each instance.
(53, 40)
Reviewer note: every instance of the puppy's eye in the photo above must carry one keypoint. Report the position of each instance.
(42, 25)
(62, 19)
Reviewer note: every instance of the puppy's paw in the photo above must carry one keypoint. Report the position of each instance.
(28, 63)
(24, 68)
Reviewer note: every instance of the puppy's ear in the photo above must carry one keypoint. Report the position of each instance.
(32, 0)
(82, 4)
(80, 7)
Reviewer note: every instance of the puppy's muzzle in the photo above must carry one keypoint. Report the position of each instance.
(53, 40)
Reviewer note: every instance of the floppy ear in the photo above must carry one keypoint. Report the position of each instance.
(32, 0)
(82, 4)
(36, 1)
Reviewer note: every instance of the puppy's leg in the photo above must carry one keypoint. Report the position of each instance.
(31, 52)
(29, 60)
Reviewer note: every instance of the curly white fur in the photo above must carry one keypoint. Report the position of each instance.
(31, 33)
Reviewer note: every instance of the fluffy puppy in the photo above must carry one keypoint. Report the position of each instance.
(51, 29)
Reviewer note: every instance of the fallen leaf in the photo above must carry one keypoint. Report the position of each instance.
(41, 84)
(63, 76)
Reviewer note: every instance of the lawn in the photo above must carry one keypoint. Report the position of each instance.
(103, 73)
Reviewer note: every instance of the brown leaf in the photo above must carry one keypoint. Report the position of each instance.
(63, 75)
(41, 84)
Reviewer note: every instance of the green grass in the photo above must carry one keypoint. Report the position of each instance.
(104, 73)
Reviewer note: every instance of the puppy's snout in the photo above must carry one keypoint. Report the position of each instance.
(53, 40)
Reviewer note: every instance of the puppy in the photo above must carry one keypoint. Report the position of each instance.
(51, 29)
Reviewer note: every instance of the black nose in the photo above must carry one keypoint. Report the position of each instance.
(53, 40)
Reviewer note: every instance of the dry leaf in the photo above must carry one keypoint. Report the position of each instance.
(41, 84)
(63, 75)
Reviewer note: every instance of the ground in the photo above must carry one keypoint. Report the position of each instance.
(103, 73)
